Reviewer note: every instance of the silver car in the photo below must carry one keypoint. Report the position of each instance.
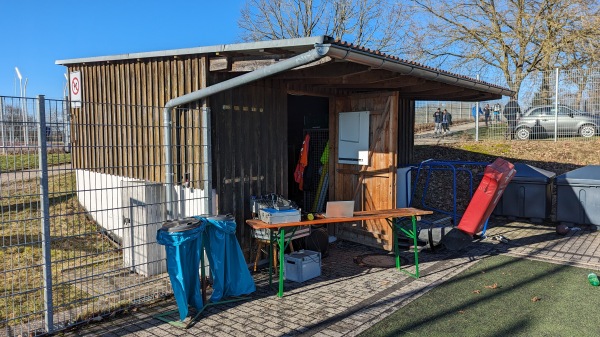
(539, 121)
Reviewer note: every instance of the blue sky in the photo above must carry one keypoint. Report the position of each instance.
(37, 33)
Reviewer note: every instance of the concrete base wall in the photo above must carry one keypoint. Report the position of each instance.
(131, 211)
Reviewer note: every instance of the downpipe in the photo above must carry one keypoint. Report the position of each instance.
(310, 56)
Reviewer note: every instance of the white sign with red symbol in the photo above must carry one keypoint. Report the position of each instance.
(75, 91)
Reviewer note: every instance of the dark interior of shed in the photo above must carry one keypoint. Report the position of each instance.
(307, 115)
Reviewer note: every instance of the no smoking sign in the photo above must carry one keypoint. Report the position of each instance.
(75, 86)
(75, 79)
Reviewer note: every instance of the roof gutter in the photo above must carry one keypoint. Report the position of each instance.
(398, 66)
(312, 55)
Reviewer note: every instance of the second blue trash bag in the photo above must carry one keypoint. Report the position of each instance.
(183, 243)
(228, 267)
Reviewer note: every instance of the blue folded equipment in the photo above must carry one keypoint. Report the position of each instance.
(184, 240)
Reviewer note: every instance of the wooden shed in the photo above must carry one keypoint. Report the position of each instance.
(259, 100)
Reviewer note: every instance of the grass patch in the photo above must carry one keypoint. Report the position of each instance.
(76, 242)
(18, 162)
(493, 132)
(502, 296)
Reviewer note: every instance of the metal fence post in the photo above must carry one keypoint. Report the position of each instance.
(477, 118)
(2, 124)
(206, 153)
(556, 108)
(45, 215)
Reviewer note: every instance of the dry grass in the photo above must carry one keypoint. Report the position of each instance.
(75, 241)
(558, 157)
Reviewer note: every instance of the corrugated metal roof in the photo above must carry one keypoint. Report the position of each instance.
(293, 46)
(298, 45)
(378, 53)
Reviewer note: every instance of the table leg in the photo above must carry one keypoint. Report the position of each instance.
(281, 262)
(410, 234)
(270, 251)
(415, 248)
(396, 249)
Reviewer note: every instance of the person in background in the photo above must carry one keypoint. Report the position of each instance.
(474, 112)
(446, 121)
(486, 114)
(511, 112)
(497, 112)
(437, 120)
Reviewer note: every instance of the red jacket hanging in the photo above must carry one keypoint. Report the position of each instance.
(302, 163)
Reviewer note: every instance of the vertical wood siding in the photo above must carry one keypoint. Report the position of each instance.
(118, 129)
(249, 148)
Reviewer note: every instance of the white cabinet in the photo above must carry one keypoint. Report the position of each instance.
(353, 138)
(143, 215)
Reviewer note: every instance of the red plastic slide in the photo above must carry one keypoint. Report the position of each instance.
(496, 177)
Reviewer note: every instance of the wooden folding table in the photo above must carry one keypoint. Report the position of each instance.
(390, 215)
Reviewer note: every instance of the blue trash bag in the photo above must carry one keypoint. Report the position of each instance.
(228, 267)
(183, 263)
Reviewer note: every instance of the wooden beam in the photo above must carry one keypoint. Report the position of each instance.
(220, 64)
(326, 70)
(441, 90)
(425, 87)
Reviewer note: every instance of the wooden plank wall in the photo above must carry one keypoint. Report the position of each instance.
(249, 148)
(118, 129)
(374, 186)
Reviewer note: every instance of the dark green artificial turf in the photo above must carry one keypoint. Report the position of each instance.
(502, 296)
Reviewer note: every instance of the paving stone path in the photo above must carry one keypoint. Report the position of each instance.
(349, 298)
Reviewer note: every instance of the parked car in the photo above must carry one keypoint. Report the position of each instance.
(539, 121)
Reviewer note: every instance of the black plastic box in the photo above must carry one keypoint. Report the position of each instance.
(578, 196)
(528, 195)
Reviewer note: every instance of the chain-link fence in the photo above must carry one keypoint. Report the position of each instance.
(82, 196)
(553, 105)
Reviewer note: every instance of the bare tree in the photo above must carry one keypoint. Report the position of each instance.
(515, 36)
(374, 24)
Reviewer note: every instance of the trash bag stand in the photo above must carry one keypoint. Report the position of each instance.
(177, 323)
(167, 316)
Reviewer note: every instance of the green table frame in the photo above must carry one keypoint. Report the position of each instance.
(392, 217)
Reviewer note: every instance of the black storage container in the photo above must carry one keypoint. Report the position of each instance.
(528, 195)
(578, 196)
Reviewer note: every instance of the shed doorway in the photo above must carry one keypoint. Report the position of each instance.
(308, 115)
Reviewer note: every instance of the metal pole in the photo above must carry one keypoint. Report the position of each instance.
(206, 152)
(21, 102)
(2, 124)
(25, 119)
(45, 216)
(556, 108)
(477, 118)
(67, 126)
